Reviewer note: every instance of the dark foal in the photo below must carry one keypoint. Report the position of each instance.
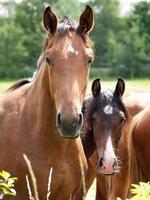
(104, 117)
(105, 114)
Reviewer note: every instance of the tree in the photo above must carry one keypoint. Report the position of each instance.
(106, 20)
(135, 51)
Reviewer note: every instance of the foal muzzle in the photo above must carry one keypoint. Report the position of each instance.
(108, 167)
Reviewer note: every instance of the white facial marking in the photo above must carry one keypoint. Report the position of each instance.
(72, 50)
(108, 110)
(109, 151)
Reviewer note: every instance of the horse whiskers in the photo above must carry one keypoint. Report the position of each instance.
(116, 150)
(118, 160)
(83, 134)
(119, 163)
(117, 170)
(97, 165)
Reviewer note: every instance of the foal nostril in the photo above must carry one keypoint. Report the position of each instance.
(101, 162)
(115, 164)
(58, 120)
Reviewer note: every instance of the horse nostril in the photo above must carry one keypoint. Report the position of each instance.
(101, 161)
(58, 120)
(80, 122)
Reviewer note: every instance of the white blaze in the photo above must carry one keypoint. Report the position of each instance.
(109, 154)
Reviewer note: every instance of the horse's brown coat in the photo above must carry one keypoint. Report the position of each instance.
(28, 113)
(140, 137)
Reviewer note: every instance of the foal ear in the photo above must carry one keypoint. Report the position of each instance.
(96, 87)
(49, 20)
(86, 20)
(120, 87)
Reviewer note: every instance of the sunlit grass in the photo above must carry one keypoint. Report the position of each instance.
(141, 85)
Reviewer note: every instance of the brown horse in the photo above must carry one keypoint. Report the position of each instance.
(42, 117)
(140, 147)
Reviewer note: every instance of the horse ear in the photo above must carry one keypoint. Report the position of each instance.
(120, 87)
(49, 20)
(86, 20)
(96, 87)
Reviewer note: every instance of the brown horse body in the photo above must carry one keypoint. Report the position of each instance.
(29, 113)
(140, 137)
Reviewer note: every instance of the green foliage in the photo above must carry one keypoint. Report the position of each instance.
(141, 191)
(7, 184)
(22, 33)
(106, 21)
(122, 43)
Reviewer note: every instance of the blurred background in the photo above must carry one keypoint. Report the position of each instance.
(121, 36)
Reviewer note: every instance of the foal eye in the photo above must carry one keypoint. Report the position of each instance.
(48, 60)
(90, 61)
(122, 120)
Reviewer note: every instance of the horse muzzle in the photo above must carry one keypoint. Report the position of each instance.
(108, 167)
(69, 127)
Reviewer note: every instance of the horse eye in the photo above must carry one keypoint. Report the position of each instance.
(90, 61)
(122, 120)
(48, 60)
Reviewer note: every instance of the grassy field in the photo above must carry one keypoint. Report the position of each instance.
(131, 85)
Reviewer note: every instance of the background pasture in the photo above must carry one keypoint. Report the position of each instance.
(136, 85)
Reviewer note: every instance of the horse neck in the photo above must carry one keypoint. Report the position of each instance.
(40, 106)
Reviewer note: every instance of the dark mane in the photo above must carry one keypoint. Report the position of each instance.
(18, 84)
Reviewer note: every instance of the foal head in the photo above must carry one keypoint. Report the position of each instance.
(107, 114)
(67, 56)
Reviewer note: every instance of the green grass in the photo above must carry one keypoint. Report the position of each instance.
(141, 85)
